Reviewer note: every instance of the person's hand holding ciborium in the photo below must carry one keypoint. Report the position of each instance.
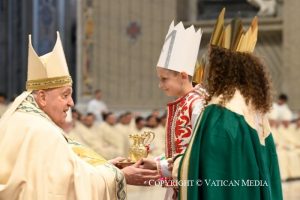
(139, 148)
(133, 168)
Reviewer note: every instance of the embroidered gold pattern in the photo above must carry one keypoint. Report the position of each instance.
(48, 83)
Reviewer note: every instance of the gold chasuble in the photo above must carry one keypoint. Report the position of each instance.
(38, 162)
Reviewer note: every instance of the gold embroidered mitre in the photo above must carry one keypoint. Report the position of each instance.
(232, 37)
(47, 71)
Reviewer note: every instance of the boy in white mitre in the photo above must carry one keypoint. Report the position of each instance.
(175, 69)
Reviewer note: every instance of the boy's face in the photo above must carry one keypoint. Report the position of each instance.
(170, 82)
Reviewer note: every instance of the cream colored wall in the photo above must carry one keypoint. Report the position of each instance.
(122, 67)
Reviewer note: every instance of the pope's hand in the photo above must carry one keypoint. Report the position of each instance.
(136, 175)
(116, 160)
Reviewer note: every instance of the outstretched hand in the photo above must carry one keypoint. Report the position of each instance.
(116, 160)
(137, 175)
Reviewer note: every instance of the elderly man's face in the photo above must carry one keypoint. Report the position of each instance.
(55, 103)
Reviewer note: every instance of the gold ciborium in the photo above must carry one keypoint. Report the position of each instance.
(139, 147)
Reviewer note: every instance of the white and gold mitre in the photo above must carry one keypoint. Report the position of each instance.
(180, 50)
(47, 71)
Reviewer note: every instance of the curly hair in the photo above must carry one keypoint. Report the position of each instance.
(230, 71)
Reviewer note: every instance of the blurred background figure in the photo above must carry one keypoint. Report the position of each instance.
(266, 7)
(158, 145)
(281, 114)
(76, 115)
(125, 123)
(88, 120)
(114, 142)
(286, 136)
(97, 106)
(152, 122)
(155, 112)
(139, 124)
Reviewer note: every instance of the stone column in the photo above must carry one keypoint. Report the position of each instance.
(187, 10)
(192, 10)
(15, 24)
(85, 47)
(291, 52)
